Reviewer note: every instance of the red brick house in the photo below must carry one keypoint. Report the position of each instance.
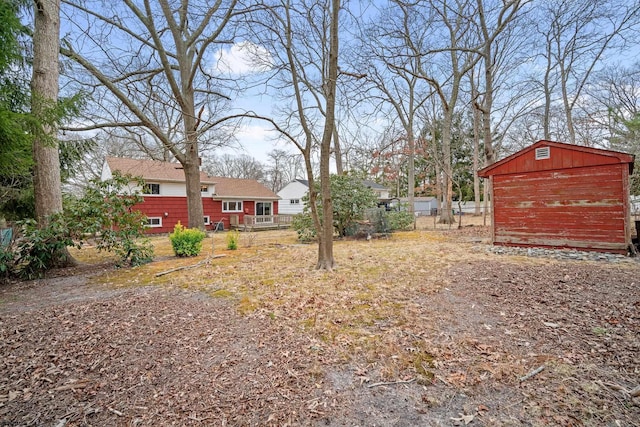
(225, 201)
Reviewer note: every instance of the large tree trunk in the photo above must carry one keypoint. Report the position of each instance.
(44, 88)
(191, 159)
(44, 98)
(194, 196)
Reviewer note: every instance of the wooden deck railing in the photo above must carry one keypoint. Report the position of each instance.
(266, 221)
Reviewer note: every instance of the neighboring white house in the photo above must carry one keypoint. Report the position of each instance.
(291, 195)
(381, 191)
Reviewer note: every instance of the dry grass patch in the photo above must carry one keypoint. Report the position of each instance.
(362, 310)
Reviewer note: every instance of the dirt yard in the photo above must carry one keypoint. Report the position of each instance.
(424, 328)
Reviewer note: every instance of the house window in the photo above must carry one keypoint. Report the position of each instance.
(204, 188)
(151, 189)
(154, 222)
(294, 201)
(232, 206)
(543, 153)
(263, 208)
(207, 220)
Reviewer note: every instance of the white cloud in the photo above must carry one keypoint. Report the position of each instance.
(257, 141)
(255, 133)
(242, 58)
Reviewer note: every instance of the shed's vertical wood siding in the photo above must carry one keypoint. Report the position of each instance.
(577, 198)
(562, 208)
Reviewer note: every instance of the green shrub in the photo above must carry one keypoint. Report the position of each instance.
(7, 262)
(303, 225)
(350, 199)
(40, 249)
(186, 241)
(106, 212)
(232, 240)
(399, 220)
(134, 252)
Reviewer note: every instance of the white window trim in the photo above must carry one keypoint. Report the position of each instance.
(149, 225)
(264, 202)
(152, 194)
(294, 201)
(207, 220)
(225, 206)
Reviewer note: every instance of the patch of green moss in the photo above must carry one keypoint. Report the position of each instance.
(268, 282)
(247, 305)
(221, 293)
(421, 363)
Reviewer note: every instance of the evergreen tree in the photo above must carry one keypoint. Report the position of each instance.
(15, 143)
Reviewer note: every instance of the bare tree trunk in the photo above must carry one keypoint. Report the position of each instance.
(194, 196)
(546, 119)
(506, 14)
(487, 107)
(436, 166)
(446, 216)
(325, 250)
(337, 151)
(476, 163)
(568, 112)
(487, 192)
(190, 158)
(411, 173)
(44, 97)
(476, 143)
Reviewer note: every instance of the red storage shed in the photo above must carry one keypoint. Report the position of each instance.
(561, 195)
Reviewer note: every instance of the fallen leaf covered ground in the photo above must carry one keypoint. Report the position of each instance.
(424, 328)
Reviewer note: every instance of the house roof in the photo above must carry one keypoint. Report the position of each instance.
(374, 185)
(418, 199)
(153, 170)
(523, 160)
(238, 188)
(370, 184)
